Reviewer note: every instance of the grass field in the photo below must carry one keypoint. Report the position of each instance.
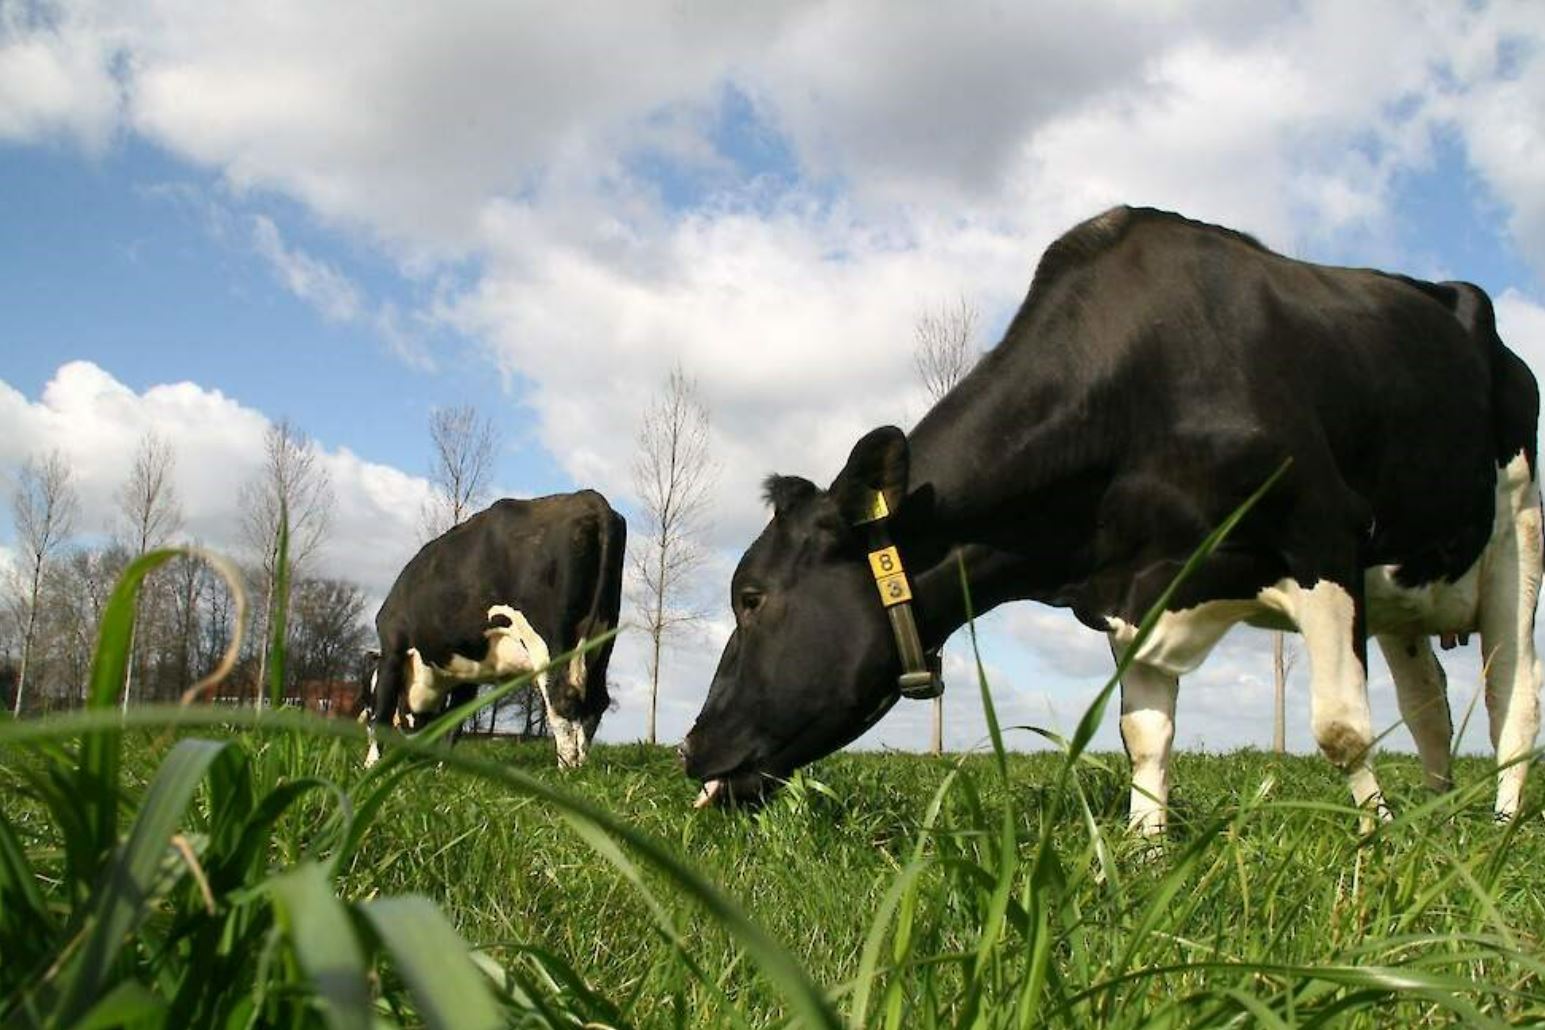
(1285, 883)
(1264, 902)
(204, 867)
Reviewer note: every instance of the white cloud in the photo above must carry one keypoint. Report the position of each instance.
(55, 81)
(314, 281)
(1521, 324)
(96, 422)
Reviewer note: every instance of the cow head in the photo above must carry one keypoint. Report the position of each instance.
(811, 663)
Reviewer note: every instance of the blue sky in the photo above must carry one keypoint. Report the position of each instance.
(348, 220)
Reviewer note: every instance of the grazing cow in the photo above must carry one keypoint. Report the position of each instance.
(500, 595)
(1159, 371)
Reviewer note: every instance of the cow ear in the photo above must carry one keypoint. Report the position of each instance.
(784, 492)
(877, 468)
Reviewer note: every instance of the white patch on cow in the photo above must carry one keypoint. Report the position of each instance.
(1148, 731)
(577, 668)
(1338, 682)
(512, 650)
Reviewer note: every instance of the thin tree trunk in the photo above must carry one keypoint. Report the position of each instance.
(31, 638)
(262, 640)
(1279, 670)
(654, 662)
(937, 746)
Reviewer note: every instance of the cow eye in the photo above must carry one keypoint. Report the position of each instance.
(750, 600)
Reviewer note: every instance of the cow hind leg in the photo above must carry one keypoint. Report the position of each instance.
(1422, 690)
(1510, 591)
(1329, 619)
(1148, 731)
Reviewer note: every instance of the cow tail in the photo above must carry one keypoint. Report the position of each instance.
(605, 601)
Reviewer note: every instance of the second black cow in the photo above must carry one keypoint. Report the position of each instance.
(499, 595)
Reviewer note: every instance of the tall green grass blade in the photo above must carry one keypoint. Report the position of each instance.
(127, 1005)
(323, 936)
(448, 987)
(123, 897)
(97, 785)
(27, 927)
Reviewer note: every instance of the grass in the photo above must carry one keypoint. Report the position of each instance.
(193, 867)
(1278, 901)
(1250, 896)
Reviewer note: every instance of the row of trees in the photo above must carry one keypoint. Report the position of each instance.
(186, 616)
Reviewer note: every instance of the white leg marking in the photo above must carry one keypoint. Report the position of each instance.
(373, 755)
(1148, 730)
(425, 689)
(577, 669)
(568, 735)
(1510, 590)
(1422, 689)
(1338, 683)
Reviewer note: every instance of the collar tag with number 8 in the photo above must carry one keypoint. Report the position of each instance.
(889, 576)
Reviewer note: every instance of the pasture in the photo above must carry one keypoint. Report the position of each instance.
(911, 891)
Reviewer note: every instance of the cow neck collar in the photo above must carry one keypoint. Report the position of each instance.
(920, 677)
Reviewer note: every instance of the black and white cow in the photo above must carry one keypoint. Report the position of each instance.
(499, 595)
(1158, 372)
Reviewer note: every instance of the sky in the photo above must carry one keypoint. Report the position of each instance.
(213, 217)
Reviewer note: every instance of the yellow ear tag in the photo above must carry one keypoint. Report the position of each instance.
(878, 509)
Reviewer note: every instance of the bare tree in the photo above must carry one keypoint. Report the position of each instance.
(329, 628)
(944, 347)
(148, 514)
(292, 481)
(943, 351)
(673, 474)
(464, 445)
(44, 506)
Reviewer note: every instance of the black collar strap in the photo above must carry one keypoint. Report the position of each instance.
(920, 671)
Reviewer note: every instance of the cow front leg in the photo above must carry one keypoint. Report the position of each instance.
(1148, 731)
(1510, 591)
(568, 734)
(387, 681)
(1330, 619)
(1422, 690)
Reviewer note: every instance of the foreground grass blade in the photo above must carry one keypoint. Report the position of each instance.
(128, 1004)
(450, 990)
(23, 914)
(98, 770)
(125, 894)
(322, 934)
